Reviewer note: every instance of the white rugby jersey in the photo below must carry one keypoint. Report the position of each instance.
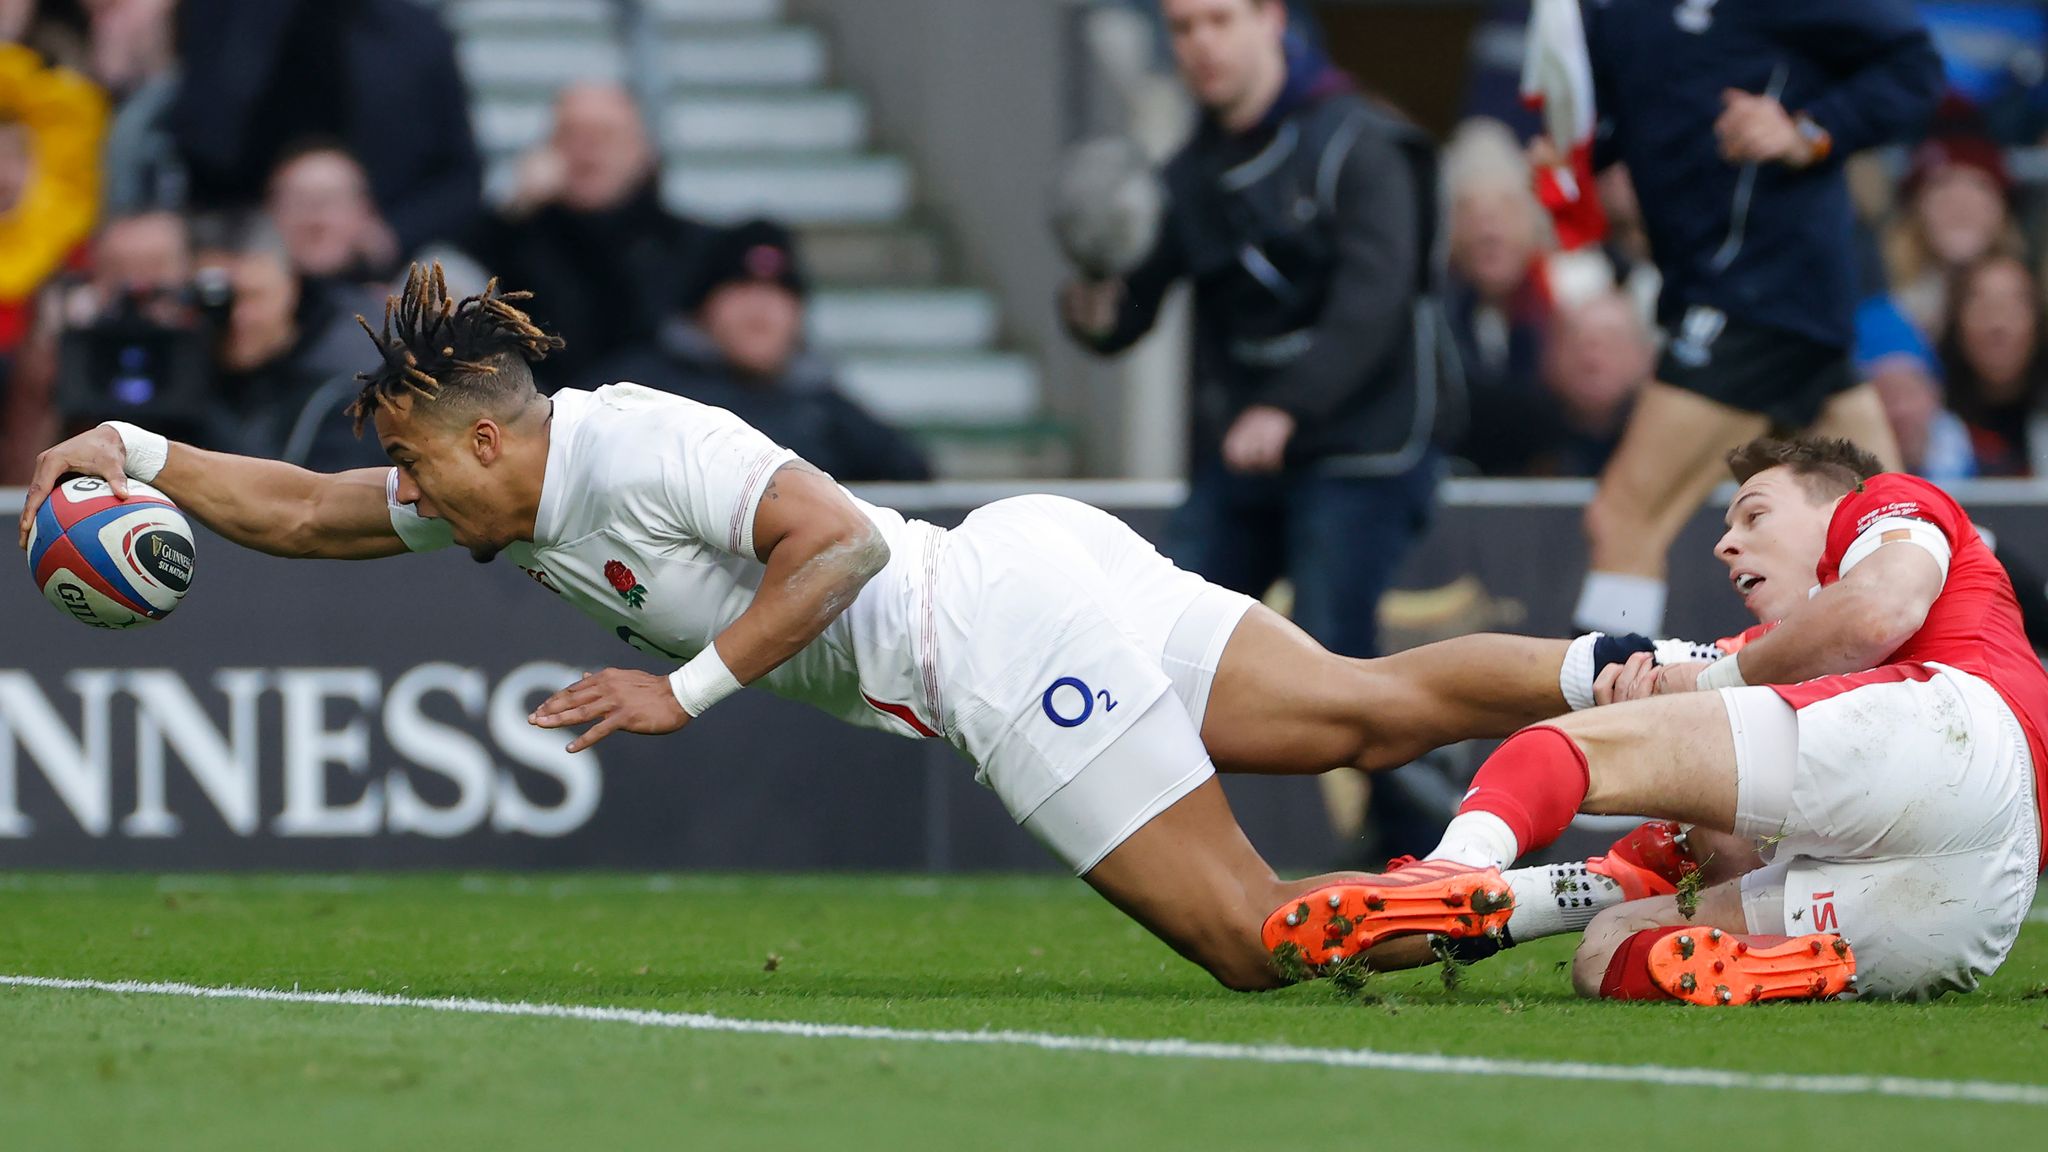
(646, 525)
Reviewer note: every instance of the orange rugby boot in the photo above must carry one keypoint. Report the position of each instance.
(1649, 861)
(1343, 919)
(1712, 967)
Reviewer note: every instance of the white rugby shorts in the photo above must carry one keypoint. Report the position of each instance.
(1059, 628)
(1901, 815)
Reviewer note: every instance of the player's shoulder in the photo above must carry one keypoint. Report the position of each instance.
(1890, 495)
(628, 424)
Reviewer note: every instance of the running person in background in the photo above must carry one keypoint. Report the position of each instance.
(1095, 686)
(1733, 117)
(1894, 765)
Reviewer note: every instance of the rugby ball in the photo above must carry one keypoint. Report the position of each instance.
(110, 562)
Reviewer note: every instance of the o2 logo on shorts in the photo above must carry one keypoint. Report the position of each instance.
(1072, 708)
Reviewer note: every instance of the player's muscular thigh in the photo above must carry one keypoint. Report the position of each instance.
(1281, 702)
(1668, 756)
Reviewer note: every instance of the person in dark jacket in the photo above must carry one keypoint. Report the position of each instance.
(741, 349)
(1733, 117)
(585, 230)
(258, 76)
(1303, 216)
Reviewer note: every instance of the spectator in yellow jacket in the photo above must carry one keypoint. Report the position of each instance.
(51, 124)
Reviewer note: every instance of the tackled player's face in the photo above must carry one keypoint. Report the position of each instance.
(443, 472)
(1225, 47)
(1777, 529)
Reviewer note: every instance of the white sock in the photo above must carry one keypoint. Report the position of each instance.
(1615, 603)
(1477, 840)
(1552, 899)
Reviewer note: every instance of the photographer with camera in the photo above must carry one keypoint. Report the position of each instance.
(133, 339)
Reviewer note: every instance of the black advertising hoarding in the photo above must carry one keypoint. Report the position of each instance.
(330, 715)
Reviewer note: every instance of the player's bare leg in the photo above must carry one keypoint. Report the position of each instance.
(1281, 703)
(1669, 459)
(1192, 878)
(1857, 416)
(1667, 756)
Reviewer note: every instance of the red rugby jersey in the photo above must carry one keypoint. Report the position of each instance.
(1974, 624)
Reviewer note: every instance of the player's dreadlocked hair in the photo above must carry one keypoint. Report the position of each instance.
(436, 349)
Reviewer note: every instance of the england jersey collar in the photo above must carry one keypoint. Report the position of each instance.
(554, 482)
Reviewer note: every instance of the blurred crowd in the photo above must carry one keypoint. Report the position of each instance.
(198, 198)
(1553, 347)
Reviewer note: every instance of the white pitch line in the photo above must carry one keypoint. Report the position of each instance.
(1977, 1091)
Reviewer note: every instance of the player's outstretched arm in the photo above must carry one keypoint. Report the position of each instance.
(266, 505)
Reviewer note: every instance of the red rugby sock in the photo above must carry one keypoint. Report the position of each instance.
(1533, 783)
(1628, 970)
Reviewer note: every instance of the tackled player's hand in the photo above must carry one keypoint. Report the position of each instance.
(618, 700)
(1632, 679)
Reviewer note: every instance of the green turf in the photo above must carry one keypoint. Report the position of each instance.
(95, 1070)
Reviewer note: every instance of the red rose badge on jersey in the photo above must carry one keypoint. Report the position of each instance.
(625, 583)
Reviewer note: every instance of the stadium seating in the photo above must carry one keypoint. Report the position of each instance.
(748, 122)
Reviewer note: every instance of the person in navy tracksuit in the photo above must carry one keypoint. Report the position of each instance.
(1733, 118)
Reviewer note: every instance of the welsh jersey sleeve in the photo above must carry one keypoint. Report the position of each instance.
(713, 480)
(419, 533)
(1895, 509)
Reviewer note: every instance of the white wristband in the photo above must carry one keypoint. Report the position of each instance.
(146, 451)
(1722, 673)
(1575, 675)
(704, 681)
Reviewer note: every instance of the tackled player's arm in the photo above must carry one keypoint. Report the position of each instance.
(266, 505)
(1852, 625)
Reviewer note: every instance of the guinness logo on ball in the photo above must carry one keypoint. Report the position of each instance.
(165, 557)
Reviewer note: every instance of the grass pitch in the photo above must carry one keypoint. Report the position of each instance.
(101, 1070)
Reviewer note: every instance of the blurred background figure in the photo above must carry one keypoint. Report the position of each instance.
(586, 232)
(258, 77)
(1956, 212)
(319, 202)
(1733, 119)
(288, 359)
(1302, 216)
(1599, 357)
(1991, 354)
(740, 346)
(51, 124)
(134, 57)
(1899, 362)
(132, 338)
(1496, 301)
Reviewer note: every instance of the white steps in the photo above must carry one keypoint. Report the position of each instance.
(949, 319)
(943, 388)
(745, 56)
(802, 120)
(825, 188)
(747, 124)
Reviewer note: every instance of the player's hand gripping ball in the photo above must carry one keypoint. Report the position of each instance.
(107, 561)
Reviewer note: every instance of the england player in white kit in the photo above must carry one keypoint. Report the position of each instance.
(1096, 687)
